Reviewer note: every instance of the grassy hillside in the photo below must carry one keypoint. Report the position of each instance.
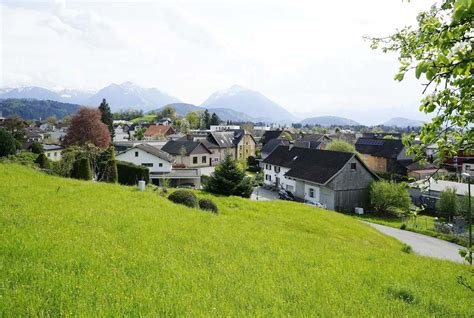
(77, 248)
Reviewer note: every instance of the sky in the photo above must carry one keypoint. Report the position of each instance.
(308, 56)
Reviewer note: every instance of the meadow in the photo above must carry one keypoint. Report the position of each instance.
(78, 248)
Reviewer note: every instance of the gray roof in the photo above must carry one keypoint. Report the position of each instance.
(174, 147)
(47, 147)
(155, 152)
(440, 185)
(224, 139)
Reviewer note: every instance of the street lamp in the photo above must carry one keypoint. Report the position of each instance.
(467, 176)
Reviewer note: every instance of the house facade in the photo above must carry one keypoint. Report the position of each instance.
(154, 132)
(380, 155)
(53, 152)
(154, 159)
(338, 180)
(189, 153)
(244, 144)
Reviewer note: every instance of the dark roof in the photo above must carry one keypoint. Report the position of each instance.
(269, 135)
(155, 152)
(314, 165)
(415, 166)
(386, 148)
(223, 139)
(50, 147)
(273, 143)
(174, 147)
(283, 156)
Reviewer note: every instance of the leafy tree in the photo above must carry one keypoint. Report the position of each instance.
(37, 148)
(229, 179)
(464, 205)
(106, 116)
(440, 48)
(215, 120)
(7, 143)
(389, 197)
(16, 126)
(340, 145)
(183, 125)
(42, 161)
(52, 120)
(139, 133)
(87, 127)
(109, 166)
(167, 112)
(448, 204)
(193, 120)
(286, 135)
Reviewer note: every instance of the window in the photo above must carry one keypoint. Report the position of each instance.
(55, 154)
(240, 147)
(160, 165)
(195, 160)
(246, 151)
(204, 160)
(268, 167)
(468, 167)
(268, 177)
(311, 192)
(49, 154)
(136, 153)
(147, 164)
(277, 169)
(353, 166)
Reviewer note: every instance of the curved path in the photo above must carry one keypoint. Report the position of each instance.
(422, 244)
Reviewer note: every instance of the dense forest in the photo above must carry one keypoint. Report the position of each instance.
(36, 109)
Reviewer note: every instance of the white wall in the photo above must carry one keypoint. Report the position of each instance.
(285, 183)
(307, 190)
(145, 157)
(53, 155)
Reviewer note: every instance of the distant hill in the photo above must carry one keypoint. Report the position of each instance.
(36, 109)
(402, 122)
(65, 95)
(182, 109)
(329, 121)
(128, 95)
(250, 102)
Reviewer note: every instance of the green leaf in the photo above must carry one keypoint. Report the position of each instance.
(399, 77)
(419, 69)
(444, 59)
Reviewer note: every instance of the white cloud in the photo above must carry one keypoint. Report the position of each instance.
(307, 55)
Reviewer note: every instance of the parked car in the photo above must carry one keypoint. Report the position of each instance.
(315, 204)
(186, 186)
(286, 195)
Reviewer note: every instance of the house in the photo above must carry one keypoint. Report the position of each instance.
(189, 153)
(468, 166)
(244, 144)
(158, 132)
(380, 155)
(223, 127)
(315, 141)
(34, 134)
(166, 121)
(269, 135)
(339, 180)
(156, 160)
(271, 145)
(53, 152)
(414, 169)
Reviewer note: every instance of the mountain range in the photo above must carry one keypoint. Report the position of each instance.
(235, 103)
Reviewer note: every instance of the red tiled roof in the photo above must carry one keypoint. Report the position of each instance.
(159, 130)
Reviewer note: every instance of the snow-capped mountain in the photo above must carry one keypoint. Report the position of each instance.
(30, 92)
(182, 109)
(250, 102)
(128, 95)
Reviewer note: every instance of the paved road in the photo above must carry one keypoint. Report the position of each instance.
(264, 195)
(422, 244)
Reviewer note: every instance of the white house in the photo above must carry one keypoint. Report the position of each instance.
(53, 152)
(156, 160)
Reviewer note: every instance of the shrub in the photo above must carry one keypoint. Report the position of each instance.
(36, 148)
(7, 143)
(42, 161)
(340, 145)
(184, 197)
(130, 174)
(207, 204)
(81, 169)
(407, 249)
(111, 173)
(403, 226)
(448, 203)
(389, 197)
(252, 161)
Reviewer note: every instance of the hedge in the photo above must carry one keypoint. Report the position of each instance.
(206, 204)
(130, 174)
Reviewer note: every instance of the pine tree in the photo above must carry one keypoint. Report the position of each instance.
(111, 172)
(205, 120)
(7, 143)
(42, 161)
(82, 169)
(107, 117)
(229, 179)
(215, 120)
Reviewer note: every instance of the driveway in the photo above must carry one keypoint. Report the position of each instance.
(264, 195)
(422, 244)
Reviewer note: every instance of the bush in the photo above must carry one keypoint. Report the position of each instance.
(110, 173)
(407, 249)
(7, 143)
(184, 197)
(403, 226)
(207, 204)
(448, 203)
(130, 174)
(81, 169)
(340, 145)
(42, 161)
(37, 148)
(389, 197)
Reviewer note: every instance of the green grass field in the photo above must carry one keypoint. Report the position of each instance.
(144, 118)
(77, 248)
